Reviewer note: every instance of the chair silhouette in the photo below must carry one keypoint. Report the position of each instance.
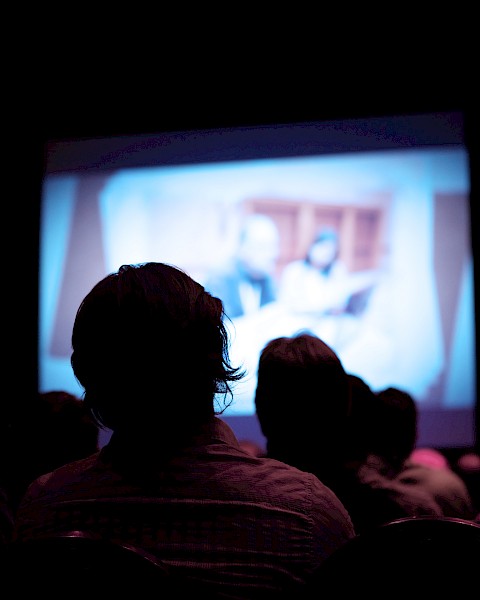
(405, 556)
(80, 565)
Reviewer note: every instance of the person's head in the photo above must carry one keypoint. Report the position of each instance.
(149, 345)
(324, 250)
(302, 397)
(395, 424)
(66, 430)
(469, 462)
(363, 406)
(55, 428)
(259, 246)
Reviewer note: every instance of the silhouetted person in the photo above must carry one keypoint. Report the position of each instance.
(53, 430)
(392, 427)
(304, 402)
(150, 349)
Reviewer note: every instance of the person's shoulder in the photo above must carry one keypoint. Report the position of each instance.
(295, 268)
(304, 492)
(63, 476)
(286, 480)
(412, 473)
(440, 478)
(296, 265)
(414, 496)
(339, 269)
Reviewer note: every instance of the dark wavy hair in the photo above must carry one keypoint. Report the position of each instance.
(149, 342)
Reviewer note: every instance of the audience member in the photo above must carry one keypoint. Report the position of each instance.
(303, 402)
(393, 433)
(467, 466)
(247, 281)
(150, 348)
(53, 430)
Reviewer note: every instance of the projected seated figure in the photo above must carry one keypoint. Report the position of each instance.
(246, 282)
(319, 287)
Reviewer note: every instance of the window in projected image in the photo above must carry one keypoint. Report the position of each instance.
(396, 303)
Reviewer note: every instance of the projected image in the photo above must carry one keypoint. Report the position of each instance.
(371, 252)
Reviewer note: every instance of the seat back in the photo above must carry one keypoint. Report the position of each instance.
(408, 555)
(84, 565)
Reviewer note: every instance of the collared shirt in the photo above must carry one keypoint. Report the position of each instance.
(211, 510)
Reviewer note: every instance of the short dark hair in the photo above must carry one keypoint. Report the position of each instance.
(148, 341)
(302, 391)
(65, 430)
(396, 424)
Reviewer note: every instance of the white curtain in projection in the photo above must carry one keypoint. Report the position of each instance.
(401, 341)
(461, 384)
(58, 203)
